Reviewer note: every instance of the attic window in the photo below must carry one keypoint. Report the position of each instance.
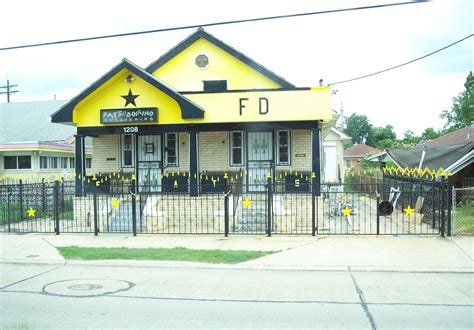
(201, 61)
(215, 85)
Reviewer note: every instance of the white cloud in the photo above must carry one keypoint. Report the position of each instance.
(303, 50)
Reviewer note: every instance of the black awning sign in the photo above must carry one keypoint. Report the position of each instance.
(137, 115)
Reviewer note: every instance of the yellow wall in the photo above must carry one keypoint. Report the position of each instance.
(108, 96)
(182, 74)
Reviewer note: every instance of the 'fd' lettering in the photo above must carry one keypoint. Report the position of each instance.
(241, 104)
(263, 101)
(263, 105)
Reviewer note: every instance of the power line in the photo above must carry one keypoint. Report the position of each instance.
(211, 24)
(403, 64)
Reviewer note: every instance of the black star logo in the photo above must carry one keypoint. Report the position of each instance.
(130, 98)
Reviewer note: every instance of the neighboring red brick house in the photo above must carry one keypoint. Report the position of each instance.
(354, 155)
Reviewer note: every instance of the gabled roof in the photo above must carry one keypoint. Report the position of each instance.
(188, 108)
(341, 135)
(200, 33)
(463, 135)
(30, 122)
(360, 151)
(435, 157)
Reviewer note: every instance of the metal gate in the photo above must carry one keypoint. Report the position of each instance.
(259, 159)
(149, 162)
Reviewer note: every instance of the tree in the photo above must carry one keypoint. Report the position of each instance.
(462, 111)
(430, 134)
(409, 138)
(382, 137)
(358, 128)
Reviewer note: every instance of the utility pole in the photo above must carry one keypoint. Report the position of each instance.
(9, 91)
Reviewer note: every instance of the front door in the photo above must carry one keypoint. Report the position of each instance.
(149, 162)
(260, 159)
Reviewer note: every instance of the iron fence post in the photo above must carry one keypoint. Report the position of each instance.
(378, 215)
(226, 210)
(134, 209)
(442, 191)
(453, 210)
(62, 194)
(8, 207)
(449, 203)
(96, 218)
(43, 196)
(56, 206)
(313, 214)
(433, 209)
(21, 199)
(269, 206)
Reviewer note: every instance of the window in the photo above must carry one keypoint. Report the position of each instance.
(63, 162)
(53, 162)
(128, 150)
(88, 162)
(72, 162)
(201, 61)
(43, 162)
(236, 148)
(283, 148)
(215, 85)
(171, 148)
(16, 162)
(9, 162)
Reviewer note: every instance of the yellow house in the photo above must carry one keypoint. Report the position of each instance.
(201, 111)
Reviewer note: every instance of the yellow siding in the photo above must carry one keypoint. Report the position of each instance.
(182, 74)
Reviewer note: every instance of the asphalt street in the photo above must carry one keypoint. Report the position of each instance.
(68, 295)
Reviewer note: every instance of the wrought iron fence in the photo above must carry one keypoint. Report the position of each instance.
(228, 208)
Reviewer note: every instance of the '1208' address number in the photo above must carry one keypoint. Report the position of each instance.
(131, 129)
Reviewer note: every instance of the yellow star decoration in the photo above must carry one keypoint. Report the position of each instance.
(346, 212)
(408, 210)
(31, 212)
(247, 202)
(115, 202)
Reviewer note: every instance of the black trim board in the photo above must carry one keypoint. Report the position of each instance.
(189, 109)
(200, 33)
(255, 90)
(217, 127)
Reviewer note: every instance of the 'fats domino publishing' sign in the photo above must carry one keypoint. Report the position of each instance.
(137, 115)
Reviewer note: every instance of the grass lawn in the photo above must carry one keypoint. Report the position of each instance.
(465, 219)
(174, 254)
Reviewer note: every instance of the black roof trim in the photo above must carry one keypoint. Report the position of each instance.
(200, 33)
(189, 109)
(256, 90)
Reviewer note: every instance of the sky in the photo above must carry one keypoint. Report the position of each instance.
(303, 50)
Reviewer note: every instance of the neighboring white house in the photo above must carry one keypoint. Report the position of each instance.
(332, 159)
(31, 147)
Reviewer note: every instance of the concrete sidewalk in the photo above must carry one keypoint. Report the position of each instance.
(364, 253)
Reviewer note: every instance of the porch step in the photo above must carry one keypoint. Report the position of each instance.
(122, 218)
